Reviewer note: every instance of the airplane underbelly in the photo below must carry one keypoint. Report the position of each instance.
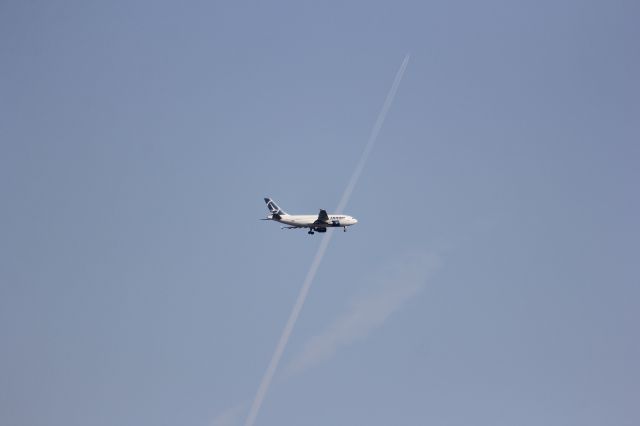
(298, 222)
(332, 224)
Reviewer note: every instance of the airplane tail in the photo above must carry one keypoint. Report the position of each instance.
(273, 208)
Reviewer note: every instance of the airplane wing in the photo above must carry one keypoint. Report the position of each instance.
(323, 217)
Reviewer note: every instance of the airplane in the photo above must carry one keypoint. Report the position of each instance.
(317, 223)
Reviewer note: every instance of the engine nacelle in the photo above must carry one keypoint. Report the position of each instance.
(320, 229)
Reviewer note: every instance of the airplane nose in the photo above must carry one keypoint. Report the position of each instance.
(355, 220)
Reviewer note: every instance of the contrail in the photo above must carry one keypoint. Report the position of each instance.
(346, 195)
(288, 328)
(391, 287)
(304, 291)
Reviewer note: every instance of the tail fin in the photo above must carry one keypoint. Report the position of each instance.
(273, 207)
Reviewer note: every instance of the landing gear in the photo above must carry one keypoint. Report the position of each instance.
(345, 229)
(310, 232)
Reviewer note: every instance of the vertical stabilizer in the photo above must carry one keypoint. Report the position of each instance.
(273, 207)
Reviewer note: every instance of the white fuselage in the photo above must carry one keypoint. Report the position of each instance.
(308, 220)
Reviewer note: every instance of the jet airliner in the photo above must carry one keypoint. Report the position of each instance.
(317, 223)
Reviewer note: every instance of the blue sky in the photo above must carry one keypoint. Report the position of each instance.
(492, 278)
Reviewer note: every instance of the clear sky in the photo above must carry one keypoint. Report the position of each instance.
(492, 278)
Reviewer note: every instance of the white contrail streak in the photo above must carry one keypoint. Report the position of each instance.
(390, 287)
(372, 137)
(304, 291)
(288, 328)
